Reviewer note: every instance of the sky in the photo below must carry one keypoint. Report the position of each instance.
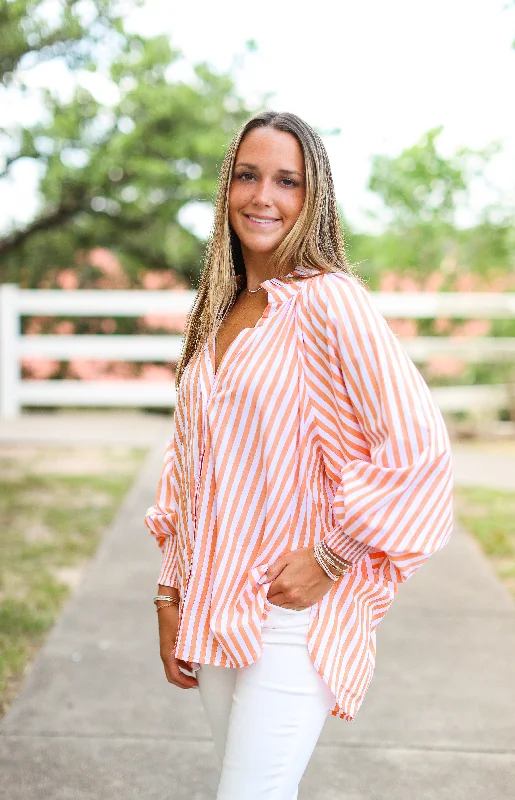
(382, 72)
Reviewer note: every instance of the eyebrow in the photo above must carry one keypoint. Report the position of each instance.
(255, 166)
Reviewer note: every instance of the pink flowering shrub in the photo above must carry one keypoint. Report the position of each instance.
(155, 372)
(442, 365)
(407, 328)
(40, 369)
(446, 366)
(101, 269)
(67, 279)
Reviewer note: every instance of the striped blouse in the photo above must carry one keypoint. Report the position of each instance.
(317, 425)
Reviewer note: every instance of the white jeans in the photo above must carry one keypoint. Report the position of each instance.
(266, 718)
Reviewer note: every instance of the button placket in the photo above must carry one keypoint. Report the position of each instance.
(216, 378)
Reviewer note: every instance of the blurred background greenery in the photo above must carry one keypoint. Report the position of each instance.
(111, 140)
(122, 168)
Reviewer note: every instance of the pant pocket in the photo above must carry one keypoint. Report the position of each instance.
(289, 610)
(291, 622)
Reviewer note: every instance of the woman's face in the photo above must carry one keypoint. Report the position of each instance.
(267, 189)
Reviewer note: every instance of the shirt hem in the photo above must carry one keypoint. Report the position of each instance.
(341, 708)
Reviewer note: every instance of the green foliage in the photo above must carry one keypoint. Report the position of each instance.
(50, 525)
(421, 192)
(119, 172)
(489, 515)
(116, 175)
(419, 185)
(34, 32)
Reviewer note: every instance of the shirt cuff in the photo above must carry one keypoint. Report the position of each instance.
(345, 546)
(168, 575)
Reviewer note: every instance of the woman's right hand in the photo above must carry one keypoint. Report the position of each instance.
(168, 626)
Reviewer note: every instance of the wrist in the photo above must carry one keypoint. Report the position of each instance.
(337, 558)
(330, 562)
(166, 597)
(169, 591)
(317, 562)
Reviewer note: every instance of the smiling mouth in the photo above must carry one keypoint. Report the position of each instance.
(262, 222)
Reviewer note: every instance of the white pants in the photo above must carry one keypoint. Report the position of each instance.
(266, 718)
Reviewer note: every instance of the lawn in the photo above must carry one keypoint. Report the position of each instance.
(489, 515)
(54, 505)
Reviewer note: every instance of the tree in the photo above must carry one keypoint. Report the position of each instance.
(116, 174)
(419, 185)
(422, 193)
(30, 32)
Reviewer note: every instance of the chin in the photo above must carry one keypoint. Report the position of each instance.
(261, 247)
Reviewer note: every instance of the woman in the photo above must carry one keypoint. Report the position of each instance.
(309, 473)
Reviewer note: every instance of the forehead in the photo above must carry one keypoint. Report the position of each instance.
(268, 147)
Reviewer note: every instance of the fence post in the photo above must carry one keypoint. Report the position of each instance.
(9, 362)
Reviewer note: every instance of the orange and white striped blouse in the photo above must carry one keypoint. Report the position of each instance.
(317, 425)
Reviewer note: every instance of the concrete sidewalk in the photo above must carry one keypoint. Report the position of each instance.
(86, 427)
(97, 720)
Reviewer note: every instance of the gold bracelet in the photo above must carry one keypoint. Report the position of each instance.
(335, 570)
(163, 597)
(165, 605)
(338, 560)
(329, 565)
(170, 600)
(339, 563)
(321, 562)
(334, 564)
(325, 554)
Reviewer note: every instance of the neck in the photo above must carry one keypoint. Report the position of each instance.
(257, 268)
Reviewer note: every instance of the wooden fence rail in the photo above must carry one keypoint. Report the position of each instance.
(14, 346)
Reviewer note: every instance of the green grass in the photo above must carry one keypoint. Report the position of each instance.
(54, 505)
(489, 515)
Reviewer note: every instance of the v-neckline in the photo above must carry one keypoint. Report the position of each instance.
(278, 291)
(212, 348)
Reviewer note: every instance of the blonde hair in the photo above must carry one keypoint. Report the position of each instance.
(315, 241)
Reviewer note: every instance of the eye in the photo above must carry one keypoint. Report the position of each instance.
(241, 176)
(291, 183)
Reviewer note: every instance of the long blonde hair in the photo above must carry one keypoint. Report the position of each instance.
(315, 241)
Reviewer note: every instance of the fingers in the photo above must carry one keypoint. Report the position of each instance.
(277, 599)
(168, 623)
(184, 664)
(174, 674)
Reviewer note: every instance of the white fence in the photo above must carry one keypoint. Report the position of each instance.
(15, 303)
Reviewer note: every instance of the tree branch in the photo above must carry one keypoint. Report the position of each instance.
(10, 161)
(61, 214)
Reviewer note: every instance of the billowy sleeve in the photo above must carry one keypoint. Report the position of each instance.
(395, 494)
(161, 518)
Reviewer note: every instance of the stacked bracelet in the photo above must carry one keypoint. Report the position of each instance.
(333, 566)
(170, 601)
(339, 564)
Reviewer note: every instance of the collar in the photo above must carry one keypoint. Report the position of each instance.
(280, 290)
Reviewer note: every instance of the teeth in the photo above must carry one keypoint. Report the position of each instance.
(262, 221)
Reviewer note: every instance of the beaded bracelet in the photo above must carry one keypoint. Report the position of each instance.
(336, 564)
(325, 567)
(165, 605)
(326, 559)
(338, 560)
(322, 561)
(334, 558)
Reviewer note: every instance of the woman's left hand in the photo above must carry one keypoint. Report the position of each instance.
(298, 580)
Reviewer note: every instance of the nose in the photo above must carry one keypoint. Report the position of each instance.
(262, 193)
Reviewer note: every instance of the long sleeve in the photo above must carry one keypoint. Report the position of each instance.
(394, 496)
(161, 518)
